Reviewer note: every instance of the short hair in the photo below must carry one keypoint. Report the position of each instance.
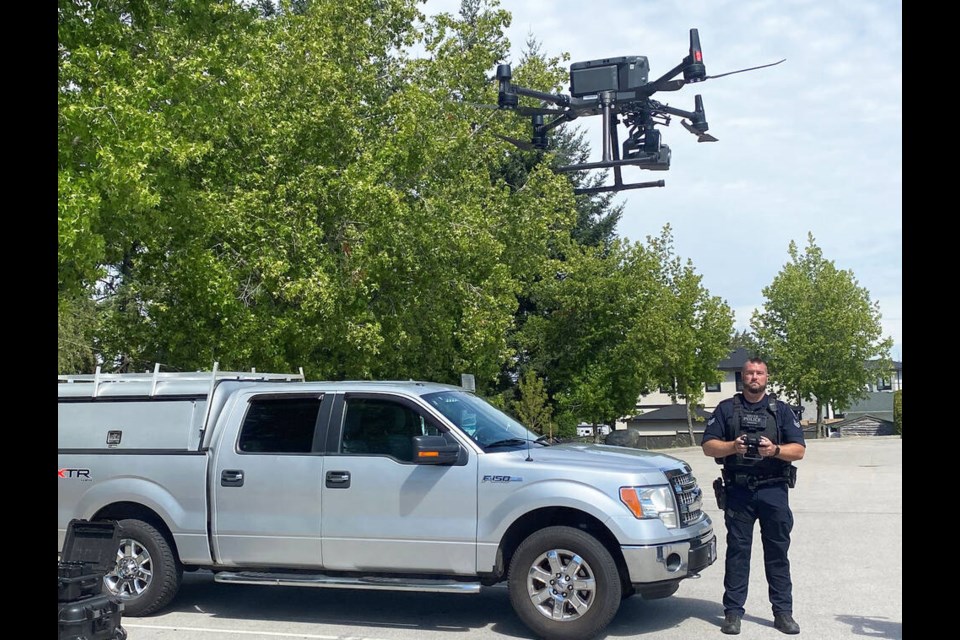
(756, 360)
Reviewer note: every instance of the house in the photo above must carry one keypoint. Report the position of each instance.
(865, 424)
(660, 428)
(713, 393)
(890, 381)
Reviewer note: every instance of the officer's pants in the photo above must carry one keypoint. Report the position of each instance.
(770, 505)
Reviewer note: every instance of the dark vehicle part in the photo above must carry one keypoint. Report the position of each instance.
(564, 584)
(147, 574)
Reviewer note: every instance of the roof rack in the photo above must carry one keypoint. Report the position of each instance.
(158, 376)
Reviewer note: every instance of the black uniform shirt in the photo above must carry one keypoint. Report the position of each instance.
(790, 430)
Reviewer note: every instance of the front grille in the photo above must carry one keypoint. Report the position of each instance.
(688, 494)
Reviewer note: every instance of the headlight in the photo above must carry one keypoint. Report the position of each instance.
(651, 502)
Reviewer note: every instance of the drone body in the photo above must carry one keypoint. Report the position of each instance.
(617, 89)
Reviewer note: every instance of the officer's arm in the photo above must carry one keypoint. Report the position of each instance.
(790, 452)
(717, 448)
(713, 443)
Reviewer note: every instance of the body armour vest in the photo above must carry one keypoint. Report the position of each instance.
(760, 421)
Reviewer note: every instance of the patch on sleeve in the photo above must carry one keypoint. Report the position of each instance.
(710, 421)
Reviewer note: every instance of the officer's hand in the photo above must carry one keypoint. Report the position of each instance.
(740, 445)
(766, 447)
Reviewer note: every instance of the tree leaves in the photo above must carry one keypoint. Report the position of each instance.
(818, 329)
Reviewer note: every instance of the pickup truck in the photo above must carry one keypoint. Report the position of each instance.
(269, 479)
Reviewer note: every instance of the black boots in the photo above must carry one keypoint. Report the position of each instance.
(784, 622)
(731, 623)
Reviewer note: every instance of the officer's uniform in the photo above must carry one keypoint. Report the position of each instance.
(756, 490)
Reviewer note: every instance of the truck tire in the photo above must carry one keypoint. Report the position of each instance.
(147, 574)
(564, 584)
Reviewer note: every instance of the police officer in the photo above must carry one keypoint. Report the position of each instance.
(756, 437)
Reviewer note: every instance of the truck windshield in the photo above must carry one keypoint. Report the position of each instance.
(488, 426)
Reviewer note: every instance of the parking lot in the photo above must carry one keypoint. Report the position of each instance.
(846, 558)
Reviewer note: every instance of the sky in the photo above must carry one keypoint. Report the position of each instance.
(810, 146)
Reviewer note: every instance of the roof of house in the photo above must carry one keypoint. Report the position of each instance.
(857, 418)
(671, 412)
(895, 365)
(735, 361)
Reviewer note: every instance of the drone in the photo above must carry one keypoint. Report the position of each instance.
(618, 90)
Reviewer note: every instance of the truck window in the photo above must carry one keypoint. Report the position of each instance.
(279, 425)
(381, 427)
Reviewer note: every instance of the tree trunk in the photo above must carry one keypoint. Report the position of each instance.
(690, 427)
(820, 426)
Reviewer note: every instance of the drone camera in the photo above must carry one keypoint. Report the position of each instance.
(608, 74)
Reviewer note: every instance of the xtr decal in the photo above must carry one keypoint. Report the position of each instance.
(74, 473)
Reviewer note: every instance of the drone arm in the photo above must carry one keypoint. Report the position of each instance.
(556, 122)
(692, 115)
(557, 99)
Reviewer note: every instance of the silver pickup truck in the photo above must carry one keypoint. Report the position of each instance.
(271, 480)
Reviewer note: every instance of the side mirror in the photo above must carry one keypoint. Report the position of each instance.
(435, 450)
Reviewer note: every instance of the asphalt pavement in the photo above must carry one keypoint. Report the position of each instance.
(846, 559)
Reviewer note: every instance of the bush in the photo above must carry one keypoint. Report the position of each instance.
(898, 412)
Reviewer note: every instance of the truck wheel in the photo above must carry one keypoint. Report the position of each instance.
(564, 584)
(147, 574)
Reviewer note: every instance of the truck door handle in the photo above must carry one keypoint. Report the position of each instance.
(231, 478)
(338, 479)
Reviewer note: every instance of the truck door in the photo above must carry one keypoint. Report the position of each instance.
(266, 487)
(381, 511)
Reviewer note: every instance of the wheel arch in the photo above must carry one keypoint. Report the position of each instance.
(135, 511)
(559, 516)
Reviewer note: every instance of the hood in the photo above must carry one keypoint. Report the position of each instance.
(604, 456)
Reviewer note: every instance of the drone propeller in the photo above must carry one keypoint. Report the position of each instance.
(697, 125)
(701, 136)
(522, 144)
(730, 73)
(676, 85)
(526, 146)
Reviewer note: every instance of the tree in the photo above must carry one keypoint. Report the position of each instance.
(533, 408)
(699, 326)
(744, 340)
(898, 411)
(286, 188)
(596, 334)
(818, 328)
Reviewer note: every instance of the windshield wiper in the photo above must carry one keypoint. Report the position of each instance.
(509, 442)
(543, 440)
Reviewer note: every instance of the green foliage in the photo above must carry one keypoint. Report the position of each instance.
(699, 328)
(898, 411)
(745, 340)
(818, 329)
(76, 324)
(596, 335)
(567, 425)
(533, 409)
(279, 184)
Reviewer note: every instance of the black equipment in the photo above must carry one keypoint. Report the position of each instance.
(752, 440)
(84, 610)
(617, 89)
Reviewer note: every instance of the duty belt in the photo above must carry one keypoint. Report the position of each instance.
(753, 482)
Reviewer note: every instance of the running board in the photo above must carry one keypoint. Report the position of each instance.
(435, 585)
